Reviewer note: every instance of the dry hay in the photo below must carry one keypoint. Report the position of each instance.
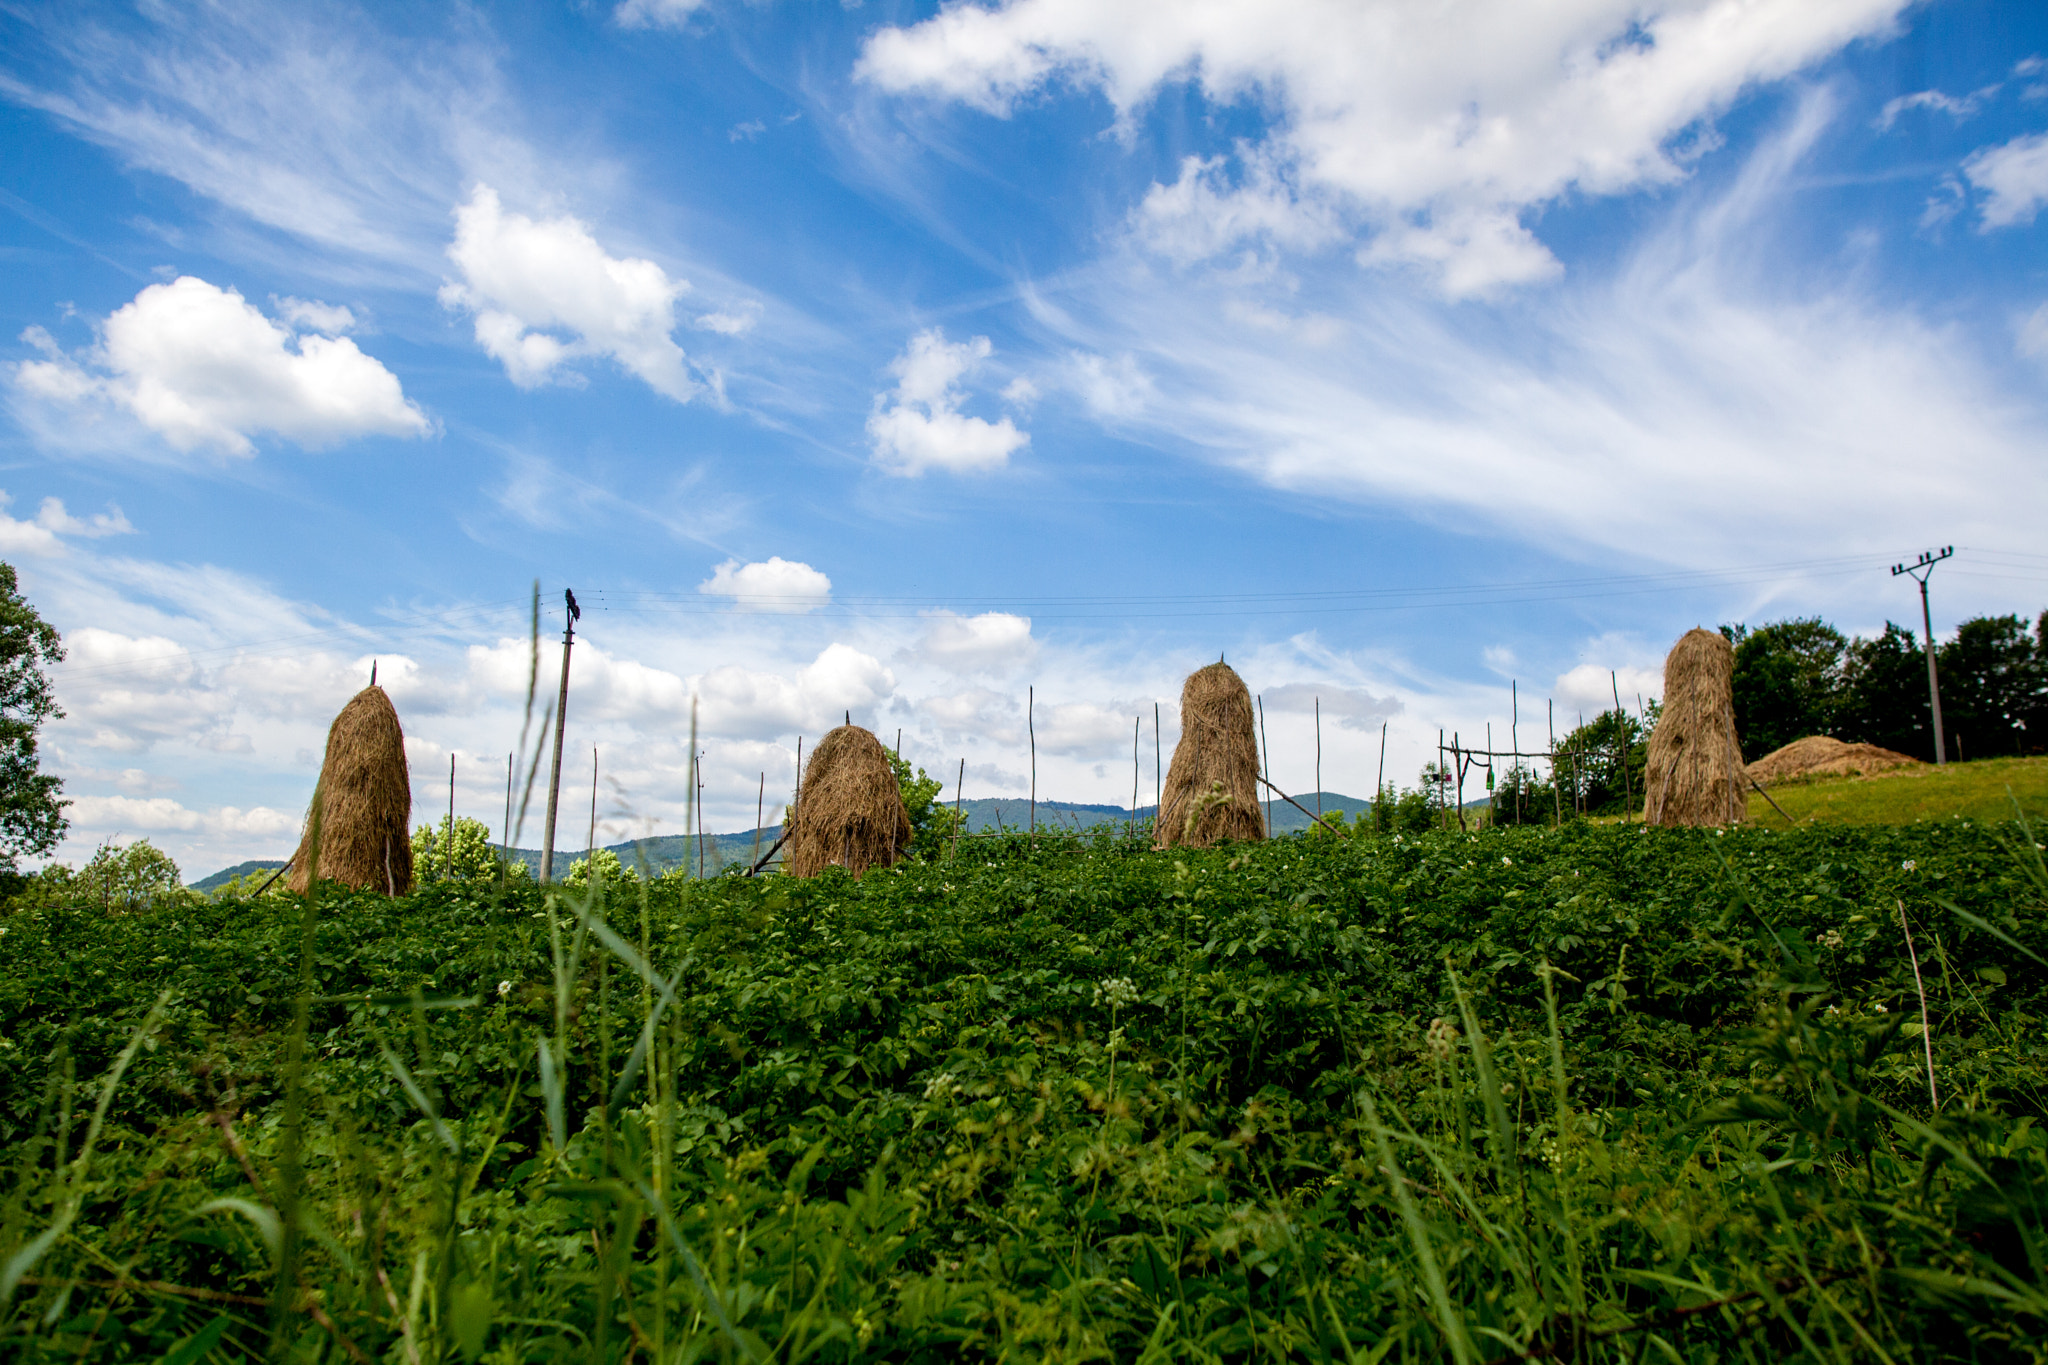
(849, 811)
(363, 803)
(1818, 755)
(1215, 772)
(1693, 773)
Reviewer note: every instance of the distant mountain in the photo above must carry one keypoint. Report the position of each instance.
(985, 815)
(228, 874)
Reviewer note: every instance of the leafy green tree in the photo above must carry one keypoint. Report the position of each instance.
(1989, 674)
(610, 871)
(1884, 693)
(31, 814)
(1788, 682)
(1591, 763)
(474, 856)
(931, 820)
(137, 876)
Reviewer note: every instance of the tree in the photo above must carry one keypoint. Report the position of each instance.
(135, 877)
(1990, 679)
(1590, 759)
(931, 820)
(31, 814)
(475, 856)
(1884, 693)
(1788, 682)
(610, 871)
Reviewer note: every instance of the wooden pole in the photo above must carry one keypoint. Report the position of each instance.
(959, 786)
(449, 859)
(1265, 762)
(760, 812)
(1514, 741)
(547, 845)
(1319, 758)
(505, 843)
(1628, 797)
(1031, 724)
(1158, 770)
(1556, 797)
(590, 848)
(1131, 825)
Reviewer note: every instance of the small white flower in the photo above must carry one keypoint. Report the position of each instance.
(1441, 1038)
(1908, 865)
(1880, 1008)
(1506, 861)
(504, 988)
(1831, 939)
(1117, 990)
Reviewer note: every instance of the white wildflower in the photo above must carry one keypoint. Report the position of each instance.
(1831, 939)
(939, 1086)
(1506, 861)
(1879, 1007)
(504, 988)
(1908, 865)
(1118, 991)
(1441, 1038)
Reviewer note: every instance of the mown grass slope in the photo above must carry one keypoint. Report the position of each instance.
(1981, 790)
(1594, 1094)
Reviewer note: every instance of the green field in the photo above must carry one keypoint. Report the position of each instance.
(1972, 791)
(1598, 1094)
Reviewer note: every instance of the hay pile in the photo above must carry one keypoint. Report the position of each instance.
(1817, 755)
(1693, 773)
(1215, 772)
(849, 811)
(363, 804)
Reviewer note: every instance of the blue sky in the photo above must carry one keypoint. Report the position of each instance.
(893, 359)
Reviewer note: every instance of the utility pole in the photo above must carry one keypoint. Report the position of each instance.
(547, 845)
(1921, 569)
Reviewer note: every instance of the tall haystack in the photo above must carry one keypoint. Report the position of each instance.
(363, 802)
(1215, 772)
(1694, 770)
(849, 811)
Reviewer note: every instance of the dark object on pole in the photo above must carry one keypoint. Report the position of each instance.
(547, 843)
(1921, 570)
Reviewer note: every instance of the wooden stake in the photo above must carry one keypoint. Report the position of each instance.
(1131, 825)
(1556, 797)
(959, 786)
(1628, 796)
(760, 809)
(1031, 724)
(1158, 769)
(1319, 758)
(1265, 762)
(449, 859)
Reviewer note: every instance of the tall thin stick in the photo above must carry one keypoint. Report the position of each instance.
(1031, 724)
(1158, 768)
(1265, 763)
(760, 810)
(505, 842)
(1514, 741)
(1131, 825)
(1556, 796)
(450, 860)
(1628, 795)
(590, 848)
(1319, 758)
(547, 846)
(959, 786)
(1926, 1029)
(1380, 783)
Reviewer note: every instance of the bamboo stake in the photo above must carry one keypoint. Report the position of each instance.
(1265, 761)
(1031, 724)
(1319, 758)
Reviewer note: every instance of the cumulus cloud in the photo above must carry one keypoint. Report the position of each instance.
(42, 535)
(160, 814)
(545, 292)
(919, 426)
(202, 367)
(774, 585)
(1353, 708)
(2013, 177)
(971, 644)
(1590, 688)
(311, 315)
(744, 702)
(1433, 145)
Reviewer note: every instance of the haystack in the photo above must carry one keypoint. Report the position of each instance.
(1215, 772)
(1694, 769)
(362, 809)
(849, 811)
(1818, 755)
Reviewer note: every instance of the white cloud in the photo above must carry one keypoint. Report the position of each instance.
(200, 366)
(1956, 107)
(109, 815)
(745, 702)
(2033, 334)
(655, 13)
(1353, 708)
(1590, 688)
(920, 426)
(992, 641)
(735, 321)
(2013, 177)
(1110, 387)
(1433, 140)
(311, 315)
(42, 535)
(526, 281)
(773, 585)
